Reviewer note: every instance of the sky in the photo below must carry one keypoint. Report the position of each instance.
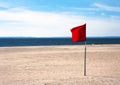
(55, 18)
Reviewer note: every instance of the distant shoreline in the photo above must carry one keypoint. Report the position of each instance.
(88, 45)
(10, 42)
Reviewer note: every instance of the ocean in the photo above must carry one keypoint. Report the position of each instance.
(21, 41)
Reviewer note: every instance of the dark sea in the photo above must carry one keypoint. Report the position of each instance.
(21, 41)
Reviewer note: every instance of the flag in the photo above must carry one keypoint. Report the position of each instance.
(79, 33)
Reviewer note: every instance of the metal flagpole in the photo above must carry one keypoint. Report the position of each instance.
(85, 61)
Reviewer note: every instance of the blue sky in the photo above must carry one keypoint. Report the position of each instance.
(55, 18)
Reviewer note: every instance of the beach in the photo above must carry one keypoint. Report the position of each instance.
(60, 65)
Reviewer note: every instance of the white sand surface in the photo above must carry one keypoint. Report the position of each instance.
(60, 65)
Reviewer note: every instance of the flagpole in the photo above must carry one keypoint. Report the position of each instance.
(85, 61)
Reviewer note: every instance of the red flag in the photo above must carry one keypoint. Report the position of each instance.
(79, 33)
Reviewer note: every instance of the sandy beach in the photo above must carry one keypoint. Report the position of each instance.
(60, 65)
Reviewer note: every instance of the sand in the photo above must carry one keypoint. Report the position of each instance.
(60, 65)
